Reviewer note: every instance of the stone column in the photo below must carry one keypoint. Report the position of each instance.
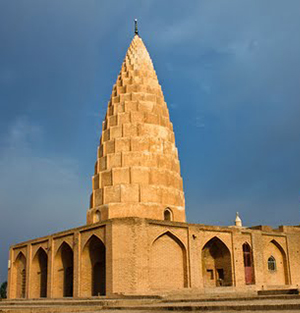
(28, 269)
(50, 267)
(109, 258)
(76, 269)
(258, 259)
(9, 274)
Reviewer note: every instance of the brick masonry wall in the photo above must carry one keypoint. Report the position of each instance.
(147, 256)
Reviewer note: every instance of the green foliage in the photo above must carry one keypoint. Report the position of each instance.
(3, 290)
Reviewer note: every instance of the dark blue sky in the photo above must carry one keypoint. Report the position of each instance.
(230, 72)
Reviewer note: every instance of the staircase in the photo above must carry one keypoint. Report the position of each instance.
(242, 303)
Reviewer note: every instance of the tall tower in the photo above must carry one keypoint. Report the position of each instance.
(137, 172)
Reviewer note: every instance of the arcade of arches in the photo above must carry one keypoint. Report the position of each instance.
(170, 258)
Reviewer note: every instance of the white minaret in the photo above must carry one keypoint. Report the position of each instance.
(238, 221)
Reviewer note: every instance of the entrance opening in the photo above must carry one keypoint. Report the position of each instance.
(97, 257)
(93, 273)
(220, 276)
(20, 276)
(38, 279)
(68, 265)
(43, 260)
(248, 264)
(98, 278)
(63, 272)
(216, 264)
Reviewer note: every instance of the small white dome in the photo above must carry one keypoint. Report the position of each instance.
(238, 221)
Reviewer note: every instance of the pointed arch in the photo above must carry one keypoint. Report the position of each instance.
(168, 214)
(90, 238)
(246, 243)
(39, 271)
(172, 235)
(93, 267)
(63, 271)
(19, 276)
(216, 263)
(278, 246)
(168, 260)
(248, 264)
(63, 245)
(20, 255)
(275, 262)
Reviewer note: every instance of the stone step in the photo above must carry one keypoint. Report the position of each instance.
(285, 302)
(240, 298)
(278, 292)
(137, 300)
(219, 306)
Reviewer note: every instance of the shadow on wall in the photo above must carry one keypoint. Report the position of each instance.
(216, 264)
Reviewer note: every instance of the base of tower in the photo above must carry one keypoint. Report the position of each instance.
(135, 256)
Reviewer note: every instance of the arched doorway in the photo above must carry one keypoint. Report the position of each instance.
(68, 266)
(63, 271)
(275, 264)
(167, 263)
(93, 268)
(248, 264)
(20, 275)
(216, 264)
(39, 274)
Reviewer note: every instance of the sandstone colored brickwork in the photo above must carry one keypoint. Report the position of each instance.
(142, 256)
(167, 259)
(136, 240)
(137, 173)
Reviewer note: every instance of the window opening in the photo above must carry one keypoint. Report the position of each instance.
(167, 215)
(271, 264)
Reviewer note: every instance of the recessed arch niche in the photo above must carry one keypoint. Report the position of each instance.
(216, 264)
(93, 268)
(167, 260)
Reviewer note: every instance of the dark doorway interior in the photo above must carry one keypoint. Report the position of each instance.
(97, 257)
(248, 264)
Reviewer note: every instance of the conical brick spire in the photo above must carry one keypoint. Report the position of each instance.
(137, 173)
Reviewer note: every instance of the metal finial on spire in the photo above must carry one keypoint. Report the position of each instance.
(136, 27)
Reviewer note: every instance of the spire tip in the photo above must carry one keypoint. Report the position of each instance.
(136, 27)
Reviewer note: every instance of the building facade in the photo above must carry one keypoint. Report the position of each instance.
(136, 240)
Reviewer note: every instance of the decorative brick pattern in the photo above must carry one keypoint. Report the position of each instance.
(136, 240)
(137, 146)
(167, 264)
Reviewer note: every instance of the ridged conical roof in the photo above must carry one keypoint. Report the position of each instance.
(137, 173)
